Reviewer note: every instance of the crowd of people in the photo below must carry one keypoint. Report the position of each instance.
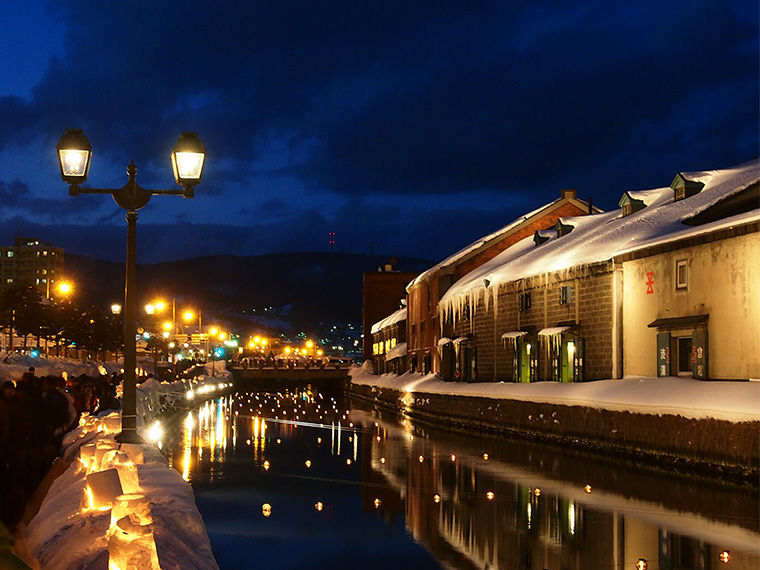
(35, 414)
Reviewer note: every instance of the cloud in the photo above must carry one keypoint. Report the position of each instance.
(307, 108)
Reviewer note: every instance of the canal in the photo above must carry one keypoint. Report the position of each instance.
(308, 480)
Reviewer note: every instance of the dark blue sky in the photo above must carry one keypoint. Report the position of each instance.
(409, 128)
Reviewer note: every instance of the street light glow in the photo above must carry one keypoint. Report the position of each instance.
(188, 158)
(74, 162)
(74, 152)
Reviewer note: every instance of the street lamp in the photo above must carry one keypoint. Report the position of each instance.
(74, 157)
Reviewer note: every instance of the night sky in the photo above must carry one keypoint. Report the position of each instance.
(407, 128)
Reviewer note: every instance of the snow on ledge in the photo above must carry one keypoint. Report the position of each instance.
(732, 401)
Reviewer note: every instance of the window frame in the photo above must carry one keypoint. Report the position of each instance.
(682, 279)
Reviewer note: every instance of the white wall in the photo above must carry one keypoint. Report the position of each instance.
(724, 282)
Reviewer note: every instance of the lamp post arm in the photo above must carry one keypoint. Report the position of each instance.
(186, 191)
(76, 190)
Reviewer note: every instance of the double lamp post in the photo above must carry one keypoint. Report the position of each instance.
(74, 156)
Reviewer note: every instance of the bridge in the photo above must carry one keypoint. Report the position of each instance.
(328, 379)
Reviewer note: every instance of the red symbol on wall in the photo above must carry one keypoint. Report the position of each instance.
(650, 283)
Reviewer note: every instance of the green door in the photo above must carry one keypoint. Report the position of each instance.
(569, 359)
(566, 352)
(523, 360)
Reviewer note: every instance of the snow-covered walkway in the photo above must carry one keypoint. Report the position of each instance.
(75, 527)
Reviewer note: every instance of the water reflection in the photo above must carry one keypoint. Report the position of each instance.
(472, 502)
(523, 506)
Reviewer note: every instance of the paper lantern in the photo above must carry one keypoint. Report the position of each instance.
(135, 452)
(132, 546)
(134, 505)
(87, 454)
(101, 489)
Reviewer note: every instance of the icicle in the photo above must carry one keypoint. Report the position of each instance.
(495, 293)
(473, 308)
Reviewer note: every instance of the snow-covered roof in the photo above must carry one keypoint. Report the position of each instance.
(600, 237)
(396, 352)
(551, 331)
(478, 244)
(394, 318)
(649, 196)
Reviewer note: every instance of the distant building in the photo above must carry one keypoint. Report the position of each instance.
(389, 343)
(383, 290)
(31, 262)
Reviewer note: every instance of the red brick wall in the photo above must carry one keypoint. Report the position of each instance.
(565, 210)
(422, 315)
(383, 291)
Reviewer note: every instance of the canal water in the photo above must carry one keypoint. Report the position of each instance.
(307, 480)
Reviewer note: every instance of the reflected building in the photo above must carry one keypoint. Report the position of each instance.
(474, 511)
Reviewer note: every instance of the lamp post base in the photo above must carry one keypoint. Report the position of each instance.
(129, 437)
(128, 430)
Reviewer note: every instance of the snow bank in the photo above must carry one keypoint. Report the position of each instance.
(686, 397)
(13, 366)
(74, 527)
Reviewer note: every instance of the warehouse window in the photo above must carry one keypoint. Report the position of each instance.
(682, 274)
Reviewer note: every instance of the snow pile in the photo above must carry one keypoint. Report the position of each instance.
(686, 397)
(13, 366)
(74, 527)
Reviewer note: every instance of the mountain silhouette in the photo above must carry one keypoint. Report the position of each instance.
(300, 290)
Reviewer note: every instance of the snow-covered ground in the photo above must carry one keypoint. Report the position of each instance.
(74, 528)
(12, 367)
(731, 401)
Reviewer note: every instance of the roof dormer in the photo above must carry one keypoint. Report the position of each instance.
(684, 188)
(562, 228)
(631, 204)
(542, 236)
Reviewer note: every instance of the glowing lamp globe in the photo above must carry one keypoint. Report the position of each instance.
(74, 154)
(188, 158)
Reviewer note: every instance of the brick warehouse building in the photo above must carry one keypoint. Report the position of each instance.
(609, 295)
(561, 326)
(383, 290)
(424, 293)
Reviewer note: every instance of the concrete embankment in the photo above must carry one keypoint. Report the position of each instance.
(708, 446)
